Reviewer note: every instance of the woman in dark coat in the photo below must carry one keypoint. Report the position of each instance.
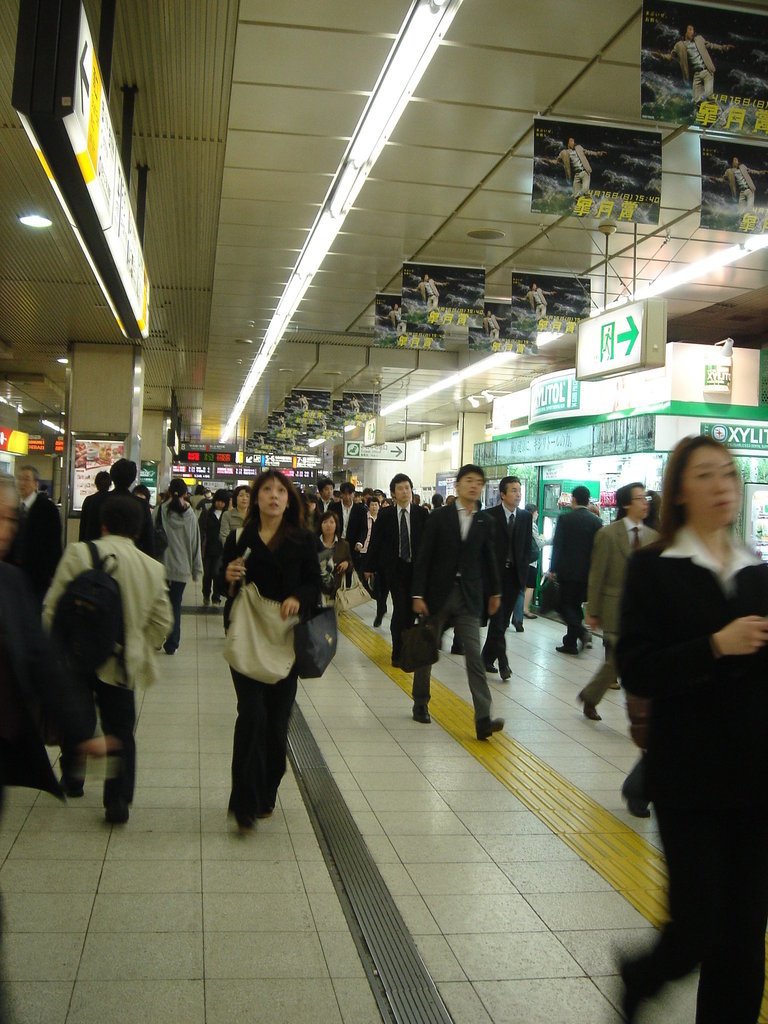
(283, 564)
(693, 640)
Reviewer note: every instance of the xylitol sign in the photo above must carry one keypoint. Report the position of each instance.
(738, 435)
(553, 396)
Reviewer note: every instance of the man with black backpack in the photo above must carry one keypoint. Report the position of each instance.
(108, 612)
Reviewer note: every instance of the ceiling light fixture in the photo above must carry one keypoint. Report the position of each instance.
(349, 427)
(473, 370)
(35, 220)
(473, 401)
(315, 442)
(53, 426)
(63, 360)
(414, 47)
(487, 395)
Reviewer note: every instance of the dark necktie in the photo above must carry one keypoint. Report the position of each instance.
(405, 543)
(635, 531)
(511, 544)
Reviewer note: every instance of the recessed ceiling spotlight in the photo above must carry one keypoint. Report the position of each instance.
(35, 220)
(63, 360)
(486, 234)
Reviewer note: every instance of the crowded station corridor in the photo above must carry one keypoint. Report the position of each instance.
(513, 863)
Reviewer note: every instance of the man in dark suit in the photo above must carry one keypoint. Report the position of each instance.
(123, 473)
(37, 548)
(513, 539)
(455, 564)
(571, 555)
(352, 516)
(90, 514)
(324, 495)
(394, 546)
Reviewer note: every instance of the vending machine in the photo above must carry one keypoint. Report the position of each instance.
(755, 519)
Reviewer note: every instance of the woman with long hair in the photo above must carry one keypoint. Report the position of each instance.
(693, 640)
(182, 558)
(233, 517)
(276, 553)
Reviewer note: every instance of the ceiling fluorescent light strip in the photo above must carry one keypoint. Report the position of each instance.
(416, 43)
(473, 370)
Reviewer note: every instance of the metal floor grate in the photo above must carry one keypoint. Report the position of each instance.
(401, 983)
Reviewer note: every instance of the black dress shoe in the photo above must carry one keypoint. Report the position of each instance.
(456, 648)
(395, 662)
(490, 668)
(117, 812)
(519, 627)
(421, 714)
(567, 650)
(632, 998)
(484, 727)
(505, 673)
(377, 621)
(530, 615)
(638, 808)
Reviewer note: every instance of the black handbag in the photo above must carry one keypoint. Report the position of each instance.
(314, 642)
(159, 536)
(549, 596)
(421, 646)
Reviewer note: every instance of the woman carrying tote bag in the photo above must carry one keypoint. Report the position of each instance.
(281, 560)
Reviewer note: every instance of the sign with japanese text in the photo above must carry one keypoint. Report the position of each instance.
(389, 451)
(632, 337)
(390, 329)
(734, 186)
(706, 66)
(591, 170)
(92, 457)
(15, 442)
(544, 304)
(440, 300)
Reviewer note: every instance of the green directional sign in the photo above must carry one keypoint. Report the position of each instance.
(389, 451)
(632, 337)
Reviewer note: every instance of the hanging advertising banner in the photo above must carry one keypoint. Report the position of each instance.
(591, 170)
(358, 406)
(706, 66)
(547, 304)
(308, 409)
(734, 187)
(335, 424)
(391, 330)
(491, 331)
(440, 300)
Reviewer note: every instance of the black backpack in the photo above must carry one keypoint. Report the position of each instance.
(88, 622)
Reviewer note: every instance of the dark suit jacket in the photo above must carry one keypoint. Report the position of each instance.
(443, 555)
(357, 527)
(33, 680)
(90, 515)
(384, 548)
(522, 542)
(146, 539)
(291, 570)
(37, 548)
(572, 545)
(708, 730)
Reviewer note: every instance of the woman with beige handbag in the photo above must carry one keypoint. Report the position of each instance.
(274, 563)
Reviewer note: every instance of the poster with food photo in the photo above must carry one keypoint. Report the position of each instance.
(91, 457)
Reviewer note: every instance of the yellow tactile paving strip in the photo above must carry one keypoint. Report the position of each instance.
(625, 860)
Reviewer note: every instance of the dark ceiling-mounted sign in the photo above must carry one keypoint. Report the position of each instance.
(59, 94)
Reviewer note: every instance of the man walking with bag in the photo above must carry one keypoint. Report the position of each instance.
(455, 561)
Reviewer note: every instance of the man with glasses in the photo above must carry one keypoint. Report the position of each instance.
(611, 551)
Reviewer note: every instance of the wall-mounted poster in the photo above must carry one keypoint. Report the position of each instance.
(706, 66)
(91, 457)
(734, 186)
(590, 170)
(392, 330)
(440, 300)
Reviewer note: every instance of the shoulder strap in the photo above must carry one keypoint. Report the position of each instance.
(95, 560)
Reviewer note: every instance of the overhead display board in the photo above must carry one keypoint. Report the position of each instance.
(59, 94)
(632, 337)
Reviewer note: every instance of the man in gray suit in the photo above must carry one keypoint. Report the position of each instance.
(610, 554)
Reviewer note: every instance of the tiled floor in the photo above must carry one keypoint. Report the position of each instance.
(173, 917)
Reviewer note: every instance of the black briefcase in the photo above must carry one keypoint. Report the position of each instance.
(314, 642)
(421, 646)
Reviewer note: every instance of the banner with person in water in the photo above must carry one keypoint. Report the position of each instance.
(734, 186)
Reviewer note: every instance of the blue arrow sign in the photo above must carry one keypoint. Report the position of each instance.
(631, 335)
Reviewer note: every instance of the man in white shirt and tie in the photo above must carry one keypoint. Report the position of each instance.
(611, 551)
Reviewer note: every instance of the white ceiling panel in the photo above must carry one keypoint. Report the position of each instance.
(274, 152)
(296, 111)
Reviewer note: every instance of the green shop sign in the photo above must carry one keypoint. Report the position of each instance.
(554, 396)
(738, 435)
